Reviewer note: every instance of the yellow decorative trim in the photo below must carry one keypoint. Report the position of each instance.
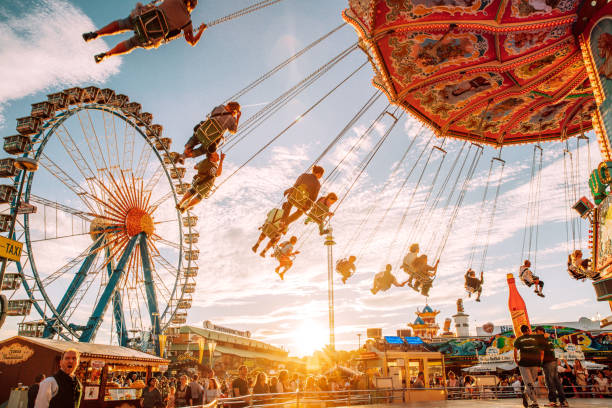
(589, 63)
(602, 136)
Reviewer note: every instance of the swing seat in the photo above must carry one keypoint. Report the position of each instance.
(576, 272)
(343, 267)
(318, 213)
(272, 227)
(150, 27)
(209, 132)
(203, 188)
(299, 197)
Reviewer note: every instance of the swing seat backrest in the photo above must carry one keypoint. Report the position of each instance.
(150, 26)
(299, 197)
(209, 132)
(272, 226)
(318, 212)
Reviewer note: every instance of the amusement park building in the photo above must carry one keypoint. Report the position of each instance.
(189, 348)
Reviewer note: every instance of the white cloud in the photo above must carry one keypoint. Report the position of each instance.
(42, 49)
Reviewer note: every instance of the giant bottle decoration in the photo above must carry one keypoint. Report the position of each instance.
(516, 306)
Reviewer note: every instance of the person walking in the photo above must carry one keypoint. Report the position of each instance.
(151, 396)
(33, 390)
(551, 373)
(528, 355)
(63, 389)
(195, 395)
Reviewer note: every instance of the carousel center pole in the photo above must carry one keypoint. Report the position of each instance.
(329, 243)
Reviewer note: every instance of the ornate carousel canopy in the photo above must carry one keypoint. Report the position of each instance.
(491, 71)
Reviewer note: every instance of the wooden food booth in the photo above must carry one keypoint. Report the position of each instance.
(396, 369)
(23, 358)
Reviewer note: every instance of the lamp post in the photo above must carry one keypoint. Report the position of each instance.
(359, 341)
(211, 352)
(24, 165)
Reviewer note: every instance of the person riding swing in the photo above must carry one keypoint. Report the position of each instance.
(424, 274)
(407, 263)
(203, 181)
(152, 26)
(284, 254)
(529, 279)
(580, 268)
(473, 284)
(383, 281)
(208, 135)
(273, 229)
(302, 194)
(320, 212)
(346, 267)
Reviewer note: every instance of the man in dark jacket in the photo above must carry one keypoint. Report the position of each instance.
(63, 389)
(302, 195)
(33, 390)
(551, 374)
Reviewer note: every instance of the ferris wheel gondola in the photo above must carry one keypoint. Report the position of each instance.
(98, 221)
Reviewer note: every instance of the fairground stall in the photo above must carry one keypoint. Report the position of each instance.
(23, 358)
(393, 362)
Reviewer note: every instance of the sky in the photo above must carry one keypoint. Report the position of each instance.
(42, 51)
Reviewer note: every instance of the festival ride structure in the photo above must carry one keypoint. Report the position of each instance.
(497, 73)
(106, 178)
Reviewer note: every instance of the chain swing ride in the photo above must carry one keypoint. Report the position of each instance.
(124, 175)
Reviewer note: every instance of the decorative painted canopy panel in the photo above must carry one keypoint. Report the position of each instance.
(492, 71)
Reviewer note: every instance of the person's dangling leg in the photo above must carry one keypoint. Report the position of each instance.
(116, 27)
(194, 201)
(270, 244)
(184, 200)
(124, 47)
(262, 236)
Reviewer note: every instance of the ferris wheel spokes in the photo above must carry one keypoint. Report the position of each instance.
(117, 275)
(150, 290)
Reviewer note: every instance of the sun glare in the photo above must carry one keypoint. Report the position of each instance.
(309, 337)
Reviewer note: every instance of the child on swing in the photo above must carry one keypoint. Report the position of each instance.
(529, 279)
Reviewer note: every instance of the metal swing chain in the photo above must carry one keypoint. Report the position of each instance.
(492, 218)
(394, 171)
(280, 66)
(247, 10)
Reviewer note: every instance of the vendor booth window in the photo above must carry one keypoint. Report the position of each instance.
(434, 368)
(414, 366)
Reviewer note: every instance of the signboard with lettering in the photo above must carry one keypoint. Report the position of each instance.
(15, 353)
(492, 355)
(10, 249)
(210, 326)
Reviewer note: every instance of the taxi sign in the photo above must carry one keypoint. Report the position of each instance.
(10, 249)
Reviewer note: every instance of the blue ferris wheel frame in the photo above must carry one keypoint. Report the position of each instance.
(89, 331)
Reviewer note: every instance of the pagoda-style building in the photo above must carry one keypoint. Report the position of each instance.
(425, 325)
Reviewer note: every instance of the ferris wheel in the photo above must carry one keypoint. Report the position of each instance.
(103, 241)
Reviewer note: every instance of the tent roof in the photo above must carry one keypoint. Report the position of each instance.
(91, 350)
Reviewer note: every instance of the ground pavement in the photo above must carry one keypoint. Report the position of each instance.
(500, 403)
